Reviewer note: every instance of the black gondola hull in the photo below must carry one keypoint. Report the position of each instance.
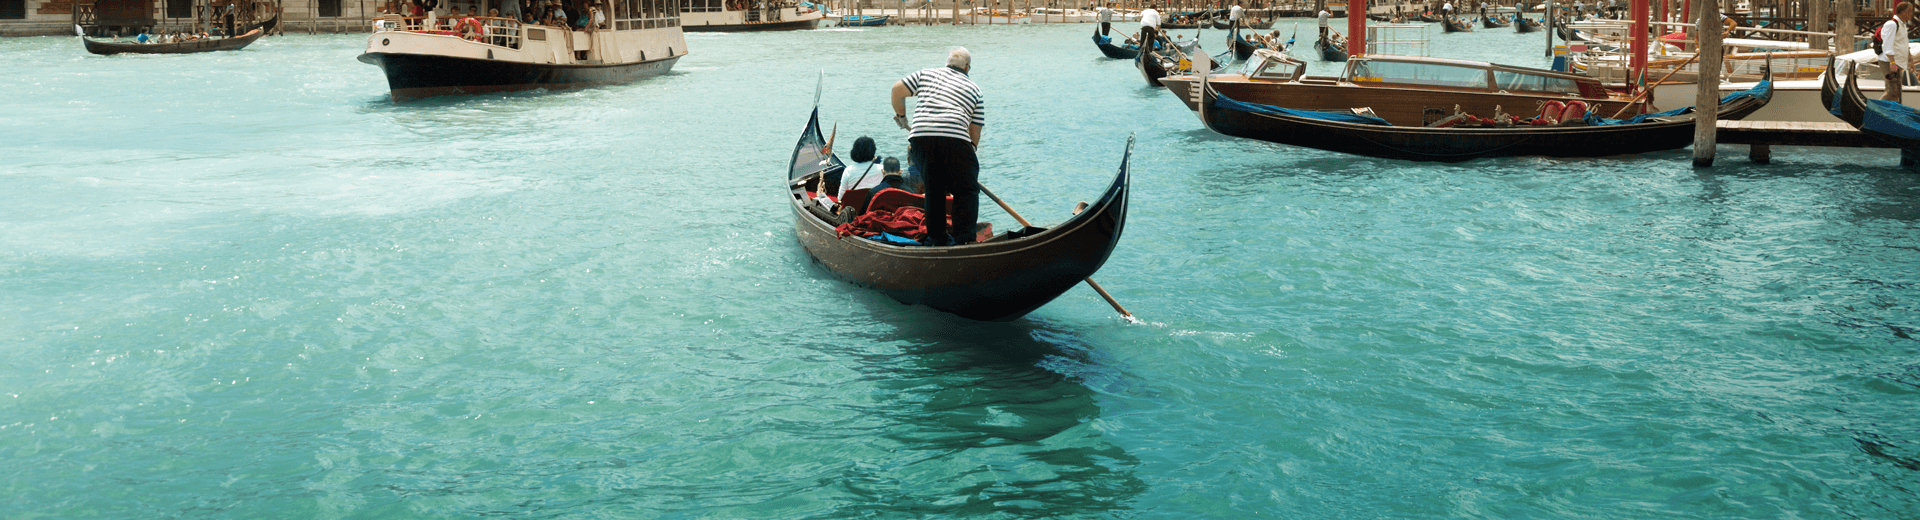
(1114, 51)
(197, 46)
(414, 76)
(997, 280)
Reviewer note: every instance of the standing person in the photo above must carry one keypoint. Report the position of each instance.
(1324, 16)
(1106, 18)
(1892, 39)
(1233, 15)
(1150, 27)
(941, 140)
(1447, 9)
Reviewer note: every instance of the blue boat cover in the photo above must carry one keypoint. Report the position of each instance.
(1338, 117)
(1764, 89)
(1834, 108)
(891, 238)
(1891, 118)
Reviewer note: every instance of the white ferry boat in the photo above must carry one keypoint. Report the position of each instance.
(474, 55)
(749, 15)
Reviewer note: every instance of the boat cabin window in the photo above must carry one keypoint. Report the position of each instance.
(1272, 68)
(1435, 74)
(1507, 80)
(646, 14)
(702, 6)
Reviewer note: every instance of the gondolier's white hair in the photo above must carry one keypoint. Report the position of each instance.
(959, 57)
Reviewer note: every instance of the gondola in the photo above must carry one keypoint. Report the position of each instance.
(1526, 25)
(1330, 52)
(1118, 52)
(1242, 49)
(1890, 122)
(1432, 18)
(1222, 24)
(1452, 25)
(999, 279)
(265, 27)
(1494, 22)
(1260, 24)
(1370, 136)
(186, 47)
(1153, 64)
(1845, 103)
(864, 20)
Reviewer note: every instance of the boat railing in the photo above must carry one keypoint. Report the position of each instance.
(499, 32)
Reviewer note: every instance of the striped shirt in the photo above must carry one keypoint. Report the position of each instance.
(949, 103)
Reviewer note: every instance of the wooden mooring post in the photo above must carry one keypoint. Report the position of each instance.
(1706, 99)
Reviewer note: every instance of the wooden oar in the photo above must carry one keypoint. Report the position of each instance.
(1090, 283)
(1663, 79)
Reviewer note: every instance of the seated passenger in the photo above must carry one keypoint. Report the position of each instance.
(892, 177)
(864, 172)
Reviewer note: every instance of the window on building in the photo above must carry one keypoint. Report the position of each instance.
(13, 9)
(330, 8)
(179, 8)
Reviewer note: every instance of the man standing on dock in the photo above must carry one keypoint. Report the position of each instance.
(1892, 37)
(941, 139)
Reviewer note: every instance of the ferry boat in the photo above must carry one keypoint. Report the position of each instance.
(1407, 90)
(749, 15)
(475, 55)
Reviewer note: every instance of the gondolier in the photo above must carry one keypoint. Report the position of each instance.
(1149, 27)
(1892, 42)
(941, 138)
(1233, 16)
(1106, 18)
(1324, 15)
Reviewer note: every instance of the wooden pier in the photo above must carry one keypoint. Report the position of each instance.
(1764, 135)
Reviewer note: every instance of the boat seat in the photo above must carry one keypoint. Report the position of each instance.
(894, 198)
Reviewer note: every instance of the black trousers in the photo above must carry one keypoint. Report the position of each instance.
(1105, 27)
(949, 168)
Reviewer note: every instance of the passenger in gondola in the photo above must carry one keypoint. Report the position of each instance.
(942, 138)
(864, 173)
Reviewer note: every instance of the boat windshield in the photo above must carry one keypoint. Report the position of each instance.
(1509, 80)
(1414, 73)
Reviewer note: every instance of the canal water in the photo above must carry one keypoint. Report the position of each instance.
(248, 285)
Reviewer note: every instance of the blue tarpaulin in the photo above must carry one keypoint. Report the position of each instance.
(1337, 117)
(1891, 118)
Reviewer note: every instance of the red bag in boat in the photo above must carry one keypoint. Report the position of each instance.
(906, 221)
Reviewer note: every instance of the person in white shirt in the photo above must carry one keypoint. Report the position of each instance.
(1233, 16)
(1106, 18)
(1893, 43)
(1149, 25)
(1447, 9)
(1324, 15)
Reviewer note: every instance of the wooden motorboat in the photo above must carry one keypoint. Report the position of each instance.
(999, 279)
(182, 47)
(1127, 51)
(1527, 25)
(643, 39)
(864, 20)
(1349, 131)
(1452, 25)
(1409, 90)
(742, 16)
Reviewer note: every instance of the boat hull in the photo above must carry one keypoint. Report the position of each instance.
(222, 44)
(996, 280)
(1400, 106)
(414, 76)
(1150, 67)
(1114, 51)
(788, 25)
(1460, 144)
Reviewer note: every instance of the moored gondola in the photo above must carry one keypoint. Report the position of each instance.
(999, 279)
(183, 47)
(1119, 52)
(1890, 122)
(1366, 135)
(1844, 102)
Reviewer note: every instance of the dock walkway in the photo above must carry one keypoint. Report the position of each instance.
(1764, 135)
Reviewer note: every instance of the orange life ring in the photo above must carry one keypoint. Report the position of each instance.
(470, 29)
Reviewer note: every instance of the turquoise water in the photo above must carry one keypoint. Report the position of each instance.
(247, 285)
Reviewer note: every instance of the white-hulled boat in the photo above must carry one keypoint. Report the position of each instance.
(749, 15)
(641, 38)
